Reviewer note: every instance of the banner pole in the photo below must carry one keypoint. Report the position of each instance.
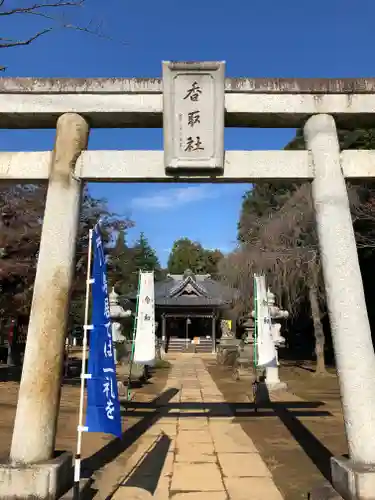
(133, 340)
(77, 461)
(255, 322)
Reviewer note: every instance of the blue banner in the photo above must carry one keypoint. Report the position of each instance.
(103, 407)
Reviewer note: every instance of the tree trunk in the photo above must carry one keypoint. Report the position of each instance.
(318, 331)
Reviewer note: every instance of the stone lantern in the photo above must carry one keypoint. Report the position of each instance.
(272, 373)
(277, 314)
(117, 312)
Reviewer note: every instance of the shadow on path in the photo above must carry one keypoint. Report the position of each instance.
(147, 472)
(314, 449)
(228, 409)
(114, 448)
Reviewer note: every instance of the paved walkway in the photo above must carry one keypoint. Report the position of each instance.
(201, 457)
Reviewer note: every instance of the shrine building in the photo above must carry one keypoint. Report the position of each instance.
(188, 309)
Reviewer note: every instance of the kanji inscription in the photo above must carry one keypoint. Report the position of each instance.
(193, 115)
(193, 92)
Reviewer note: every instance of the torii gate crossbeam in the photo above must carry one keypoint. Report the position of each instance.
(73, 106)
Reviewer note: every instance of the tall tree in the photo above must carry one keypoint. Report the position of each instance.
(140, 257)
(263, 199)
(21, 219)
(21, 212)
(125, 262)
(260, 200)
(186, 254)
(283, 245)
(277, 232)
(212, 259)
(144, 255)
(121, 265)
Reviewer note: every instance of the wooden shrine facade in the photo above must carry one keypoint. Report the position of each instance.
(188, 308)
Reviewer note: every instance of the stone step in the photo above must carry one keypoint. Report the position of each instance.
(180, 345)
(183, 341)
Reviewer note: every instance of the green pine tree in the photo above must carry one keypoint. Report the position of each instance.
(144, 257)
(187, 254)
(121, 265)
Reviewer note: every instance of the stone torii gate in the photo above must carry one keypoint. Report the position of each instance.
(193, 102)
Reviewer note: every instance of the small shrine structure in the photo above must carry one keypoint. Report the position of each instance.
(188, 309)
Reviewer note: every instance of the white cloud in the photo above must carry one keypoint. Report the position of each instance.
(171, 198)
(223, 248)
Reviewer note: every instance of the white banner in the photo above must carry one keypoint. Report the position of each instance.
(267, 355)
(144, 349)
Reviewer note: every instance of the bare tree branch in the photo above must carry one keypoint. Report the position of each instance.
(282, 244)
(38, 6)
(7, 44)
(60, 21)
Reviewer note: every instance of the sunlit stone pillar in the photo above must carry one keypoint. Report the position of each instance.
(39, 395)
(344, 290)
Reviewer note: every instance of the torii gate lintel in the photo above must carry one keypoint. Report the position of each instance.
(317, 105)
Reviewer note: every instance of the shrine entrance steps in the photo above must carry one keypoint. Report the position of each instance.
(202, 453)
(177, 344)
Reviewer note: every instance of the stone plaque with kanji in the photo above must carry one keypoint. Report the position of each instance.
(193, 115)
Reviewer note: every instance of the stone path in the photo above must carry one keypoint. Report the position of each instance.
(206, 458)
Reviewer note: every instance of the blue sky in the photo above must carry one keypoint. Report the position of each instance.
(293, 38)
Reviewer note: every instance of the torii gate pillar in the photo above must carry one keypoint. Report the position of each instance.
(34, 471)
(347, 310)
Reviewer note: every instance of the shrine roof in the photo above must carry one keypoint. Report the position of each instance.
(189, 290)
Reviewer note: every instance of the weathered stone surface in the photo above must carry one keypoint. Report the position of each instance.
(127, 493)
(191, 447)
(169, 429)
(192, 467)
(196, 477)
(213, 495)
(231, 440)
(252, 488)
(344, 288)
(194, 457)
(195, 452)
(38, 403)
(243, 465)
(44, 480)
(132, 102)
(353, 480)
(196, 436)
(193, 423)
(185, 86)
